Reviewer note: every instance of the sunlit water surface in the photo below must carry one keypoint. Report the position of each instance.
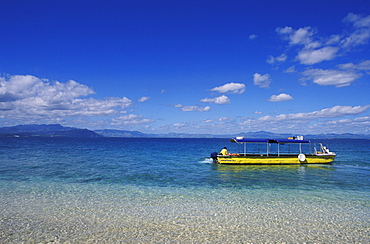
(107, 190)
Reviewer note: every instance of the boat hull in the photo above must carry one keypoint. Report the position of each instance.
(273, 160)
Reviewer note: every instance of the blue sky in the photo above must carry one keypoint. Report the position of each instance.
(187, 66)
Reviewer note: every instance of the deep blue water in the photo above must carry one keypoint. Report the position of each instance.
(46, 173)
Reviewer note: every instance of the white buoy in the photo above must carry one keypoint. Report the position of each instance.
(301, 157)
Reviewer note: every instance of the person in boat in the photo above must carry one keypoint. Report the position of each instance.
(224, 151)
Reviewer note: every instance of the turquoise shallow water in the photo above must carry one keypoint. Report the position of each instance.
(111, 190)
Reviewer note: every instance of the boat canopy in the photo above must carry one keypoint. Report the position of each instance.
(278, 141)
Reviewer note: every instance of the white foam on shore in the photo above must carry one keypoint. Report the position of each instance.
(87, 213)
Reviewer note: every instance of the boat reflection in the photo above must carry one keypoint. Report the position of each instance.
(272, 176)
(272, 168)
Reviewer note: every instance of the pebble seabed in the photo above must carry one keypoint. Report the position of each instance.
(93, 213)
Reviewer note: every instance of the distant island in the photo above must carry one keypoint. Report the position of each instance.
(57, 130)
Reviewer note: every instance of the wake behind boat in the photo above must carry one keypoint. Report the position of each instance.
(294, 150)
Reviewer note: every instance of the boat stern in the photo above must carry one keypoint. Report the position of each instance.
(214, 156)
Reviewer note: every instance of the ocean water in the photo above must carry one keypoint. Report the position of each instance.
(134, 190)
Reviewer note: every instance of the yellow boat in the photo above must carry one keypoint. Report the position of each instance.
(277, 151)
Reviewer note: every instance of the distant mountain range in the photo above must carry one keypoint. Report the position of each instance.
(56, 130)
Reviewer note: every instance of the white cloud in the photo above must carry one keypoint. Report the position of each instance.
(363, 66)
(361, 30)
(19, 87)
(312, 51)
(26, 98)
(347, 66)
(193, 108)
(356, 126)
(285, 30)
(328, 120)
(363, 119)
(143, 99)
(334, 112)
(333, 40)
(235, 88)
(196, 108)
(338, 78)
(270, 59)
(218, 100)
(280, 98)
(358, 20)
(281, 58)
(262, 80)
(291, 69)
(302, 36)
(179, 125)
(130, 120)
(315, 49)
(252, 37)
(314, 56)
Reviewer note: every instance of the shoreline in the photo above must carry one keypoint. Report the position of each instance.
(53, 213)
